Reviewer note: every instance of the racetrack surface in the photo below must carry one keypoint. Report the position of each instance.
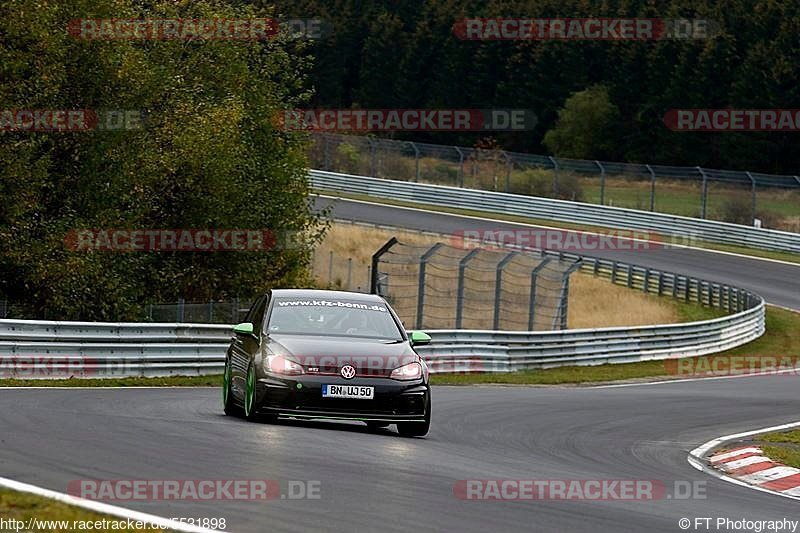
(778, 283)
(383, 482)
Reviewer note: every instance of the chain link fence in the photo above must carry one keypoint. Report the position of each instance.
(740, 197)
(442, 286)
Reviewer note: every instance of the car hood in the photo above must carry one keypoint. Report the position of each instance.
(327, 355)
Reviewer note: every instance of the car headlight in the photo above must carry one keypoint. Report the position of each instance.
(407, 372)
(278, 364)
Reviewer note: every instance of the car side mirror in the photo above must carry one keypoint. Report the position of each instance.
(245, 328)
(419, 338)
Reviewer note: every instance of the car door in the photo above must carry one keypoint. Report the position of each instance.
(243, 348)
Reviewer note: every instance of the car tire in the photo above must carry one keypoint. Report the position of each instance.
(228, 404)
(250, 394)
(417, 429)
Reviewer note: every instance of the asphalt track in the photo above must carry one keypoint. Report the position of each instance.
(778, 283)
(383, 482)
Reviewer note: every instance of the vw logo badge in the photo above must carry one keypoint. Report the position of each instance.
(348, 372)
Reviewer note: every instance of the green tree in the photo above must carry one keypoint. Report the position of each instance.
(586, 126)
(208, 156)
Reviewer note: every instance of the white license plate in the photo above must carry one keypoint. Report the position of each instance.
(348, 391)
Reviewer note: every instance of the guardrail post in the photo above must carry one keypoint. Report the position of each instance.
(646, 279)
(460, 166)
(563, 302)
(704, 200)
(711, 291)
(498, 285)
(630, 276)
(753, 199)
(376, 257)
(416, 160)
(555, 175)
(688, 284)
(421, 288)
(349, 272)
(211, 311)
(532, 300)
(602, 182)
(181, 310)
(614, 272)
(462, 266)
(652, 187)
(660, 283)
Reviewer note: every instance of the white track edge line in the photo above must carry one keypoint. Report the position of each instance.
(103, 508)
(696, 457)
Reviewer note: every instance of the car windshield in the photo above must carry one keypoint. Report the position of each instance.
(346, 318)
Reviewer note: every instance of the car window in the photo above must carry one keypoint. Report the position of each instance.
(345, 318)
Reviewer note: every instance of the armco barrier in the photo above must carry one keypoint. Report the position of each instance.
(41, 349)
(558, 210)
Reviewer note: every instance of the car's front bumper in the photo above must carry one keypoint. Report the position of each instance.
(301, 397)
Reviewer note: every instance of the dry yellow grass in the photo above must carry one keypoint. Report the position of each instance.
(593, 302)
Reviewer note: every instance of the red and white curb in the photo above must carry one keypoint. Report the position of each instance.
(747, 465)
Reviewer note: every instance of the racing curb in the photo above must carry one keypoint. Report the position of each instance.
(103, 508)
(747, 466)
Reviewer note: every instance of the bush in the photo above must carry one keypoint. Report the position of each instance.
(569, 188)
(738, 209)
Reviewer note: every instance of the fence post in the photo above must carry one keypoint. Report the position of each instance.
(532, 300)
(326, 151)
(416, 160)
(462, 266)
(564, 298)
(652, 187)
(602, 182)
(753, 199)
(372, 157)
(704, 203)
(460, 166)
(330, 267)
(508, 170)
(181, 310)
(555, 175)
(421, 288)
(376, 257)
(498, 282)
(349, 272)
(211, 311)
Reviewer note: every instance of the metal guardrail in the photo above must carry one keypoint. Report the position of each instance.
(480, 168)
(677, 227)
(41, 349)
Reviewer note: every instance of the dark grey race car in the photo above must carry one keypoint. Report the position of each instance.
(327, 354)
